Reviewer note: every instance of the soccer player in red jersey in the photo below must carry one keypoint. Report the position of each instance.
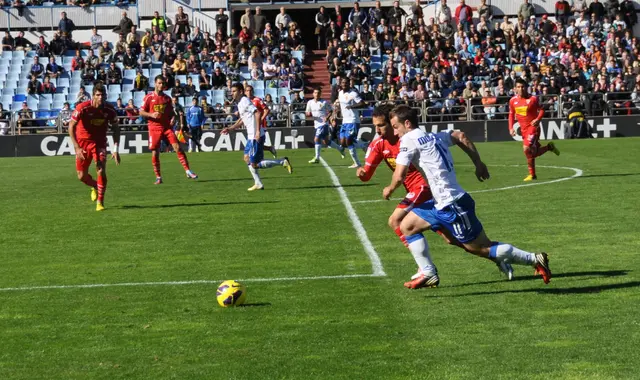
(264, 112)
(88, 131)
(527, 111)
(158, 110)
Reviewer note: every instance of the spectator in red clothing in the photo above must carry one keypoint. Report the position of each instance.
(464, 15)
(563, 11)
(77, 63)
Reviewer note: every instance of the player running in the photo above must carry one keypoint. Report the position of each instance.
(320, 110)
(264, 110)
(527, 111)
(158, 110)
(386, 146)
(195, 120)
(254, 149)
(88, 132)
(350, 102)
(452, 208)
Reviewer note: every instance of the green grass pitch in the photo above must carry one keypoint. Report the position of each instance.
(476, 325)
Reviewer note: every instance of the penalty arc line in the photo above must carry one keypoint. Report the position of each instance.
(576, 173)
(176, 283)
(376, 264)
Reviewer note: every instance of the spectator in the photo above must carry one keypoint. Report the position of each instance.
(77, 63)
(596, 8)
(144, 61)
(193, 65)
(25, 119)
(181, 23)
(37, 69)
(357, 17)
(64, 116)
(48, 87)
(19, 5)
(65, 26)
(526, 11)
(5, 118)
(443, 13)
(158, 22)
(88, 75)
(396, 14)
(82, 96)
(21, 43)
(221, 22)
(247, 22)
(416, 10)
(259, 21)
(177, 90)
(322, 26)
(34, 87)
(132, 114)
(204, 81)
(91, 59)
(485, 10)
(133, 40)
(114, 75)
(464, 15)
(129, 60)
(125, 24)
(140, 83)
(53, 70)
(189, 89)
(218, 79)
(563, 11)
(105, 53)
(7, 41)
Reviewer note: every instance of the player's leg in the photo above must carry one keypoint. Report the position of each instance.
(82, 170)
(100, 155)
(531, 160)
(258, 156)
(171, 138)
(252, 157)
(350, 142)
(155, 143)
(196, 135)
(317, 141)
(412, 226)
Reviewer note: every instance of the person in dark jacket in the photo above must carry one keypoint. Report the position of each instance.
(195, 121)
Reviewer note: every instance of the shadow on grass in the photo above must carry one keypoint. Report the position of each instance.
(608, 273)
(328, 186)
(125, 207)
(606, 175)
(257, 304)
(247, 178)
(550, 290)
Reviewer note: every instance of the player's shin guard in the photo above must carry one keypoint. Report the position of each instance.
(255, 175)
(318, 146)
(89, 181)
(102, 187)
(354, 154)
(401, 236)
(531, 163)
(500, 252)
(183, 160)
(265, 164)
(420, 250)
(155, 160)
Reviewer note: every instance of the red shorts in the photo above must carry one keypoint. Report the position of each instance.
(157, 135)
(92, 151)
(530, 137)
(414, 197)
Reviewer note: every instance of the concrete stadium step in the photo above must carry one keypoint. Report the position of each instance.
(317, 74)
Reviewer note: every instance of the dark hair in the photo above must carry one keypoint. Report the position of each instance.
(383, 110)
(158, 77)
(522, 82)
(404, 113)
(238, 86)
(318, 88)
(99, 87)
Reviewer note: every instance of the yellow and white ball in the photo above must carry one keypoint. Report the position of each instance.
(231, 293)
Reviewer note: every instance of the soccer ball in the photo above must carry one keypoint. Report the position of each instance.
(231, 293)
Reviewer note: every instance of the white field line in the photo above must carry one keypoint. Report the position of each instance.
(177, 283)
(376, 264)
(576, 173)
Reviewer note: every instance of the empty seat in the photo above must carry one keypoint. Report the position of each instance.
(129, 74)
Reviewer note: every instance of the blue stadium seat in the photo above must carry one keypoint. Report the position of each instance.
(7, 100)
(32, 103)
(138, 96)
(89, 88)
(129, 74)
(19, 98)
(16, 106)
(57, 104)
(7, 54)
(183, 101)
(46, 98)
(125, 96)
(4, 69)
(44, 106)
(63, 82)
(21, 90)
(15, 68)
(182, 78)
(146, 72)
(59, 60)
(128, 87)
(19, 54)
(152, 74)
(259, 92)
(297, 54)
(112, 97)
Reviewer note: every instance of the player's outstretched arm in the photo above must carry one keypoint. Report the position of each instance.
(396, 180)
(235, 126)
(372, 160)
(460, 139)
(72, 135)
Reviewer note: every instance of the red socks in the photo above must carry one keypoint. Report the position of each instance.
(155, 160)
(531, 163)
(183, 159)
(89, 181)
(401, 236)
(102, 187)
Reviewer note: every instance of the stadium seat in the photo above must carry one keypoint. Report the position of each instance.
(57, 104)
(112, 96)
(183, 101)
(182, 78)
(153, 73)
(89, 88)
(7, 54)
(273, 92)
(259, 92)
(15, 106)
(128, 87)
(32, 103)
(44, 105)
(126, 96)
(46, 98)
(19, 54)
(129, 74)
(297, 54)
(19, 98)
(21, 90)
(63, 82)
(7, 100)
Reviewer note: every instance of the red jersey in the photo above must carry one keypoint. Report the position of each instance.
(159, 103)
(93, 122)
(261, 106)
(524, 111)
(380, 149)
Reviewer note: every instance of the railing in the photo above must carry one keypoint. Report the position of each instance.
(429, 111)
(49, 16)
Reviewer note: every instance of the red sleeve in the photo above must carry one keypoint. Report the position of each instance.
(77, 113)
(512, 115)
(145, 104)
(372, 159)
(457, 16)
(540, 109)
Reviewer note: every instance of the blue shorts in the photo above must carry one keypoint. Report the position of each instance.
(349, 131)
(255, 150)
(459, 218)
(322, 133)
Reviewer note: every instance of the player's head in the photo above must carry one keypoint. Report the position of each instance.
(344, 84)
(403, 119)
(521, 87)
(317, 93)
(237, 91)
(99, 93)
(381, 121)
(248, 91)
(194, 101)
(159, 83)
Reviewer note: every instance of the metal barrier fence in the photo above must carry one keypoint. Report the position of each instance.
(432, 110)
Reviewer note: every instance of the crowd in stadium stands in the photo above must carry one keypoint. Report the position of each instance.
(449, 62)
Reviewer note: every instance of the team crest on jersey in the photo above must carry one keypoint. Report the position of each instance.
(386, 151)
(528, 100)
(522, 111)
(97, 122)
(410, 195)
(159, 108)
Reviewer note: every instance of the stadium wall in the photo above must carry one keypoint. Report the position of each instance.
(302, 137)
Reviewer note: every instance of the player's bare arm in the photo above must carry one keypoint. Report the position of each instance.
(356, 106)
(72, 135)
(512, 117)
(235, 126)
(460, 139)
(396, 180)
(115, 127)
(256, 116)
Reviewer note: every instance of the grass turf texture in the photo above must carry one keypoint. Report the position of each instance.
(584, 325)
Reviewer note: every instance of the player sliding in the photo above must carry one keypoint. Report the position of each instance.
(526, 109)
(320, 110)
(350, 101)
(452, 208)
(264, 112)
(158, 110)
(88, 132)
(254, 149)
(385, 146)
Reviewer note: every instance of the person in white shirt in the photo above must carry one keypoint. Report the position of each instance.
(451, 208)
(283, 18)
(254, 148)
(350, 102)
(320, 110)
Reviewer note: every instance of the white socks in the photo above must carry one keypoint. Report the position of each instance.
(255, 175)
(420, 250)
(354, 155)
(318, 147)
(265, 164)
(503, 252)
